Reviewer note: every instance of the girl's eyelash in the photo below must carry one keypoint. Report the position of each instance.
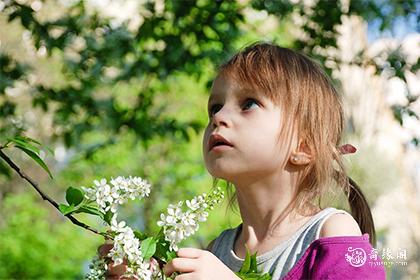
(212, 109)
(248, 100)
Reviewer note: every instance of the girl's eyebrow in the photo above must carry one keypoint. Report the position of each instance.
(240, 92)
(214, 96)
(211, 99)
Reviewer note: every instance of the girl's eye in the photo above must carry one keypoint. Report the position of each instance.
(214, 109)
(250, 103)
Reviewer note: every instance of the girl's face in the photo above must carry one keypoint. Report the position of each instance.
(241, 140)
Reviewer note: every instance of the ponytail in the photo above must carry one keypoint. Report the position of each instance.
(360, 210)
(359, 206)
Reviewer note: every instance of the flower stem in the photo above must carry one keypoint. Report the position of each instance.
(43, 195)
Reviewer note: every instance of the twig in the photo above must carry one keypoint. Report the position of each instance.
(44, 196)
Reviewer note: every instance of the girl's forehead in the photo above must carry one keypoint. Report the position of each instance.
(223, 85)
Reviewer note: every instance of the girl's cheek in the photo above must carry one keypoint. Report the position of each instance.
(206, 160)
(205, 140)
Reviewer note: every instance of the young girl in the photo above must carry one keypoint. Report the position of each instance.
(275, 122)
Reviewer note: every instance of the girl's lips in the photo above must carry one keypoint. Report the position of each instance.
(220, 148)
(218, 142)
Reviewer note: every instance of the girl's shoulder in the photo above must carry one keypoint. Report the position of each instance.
(226, 237)
(338, 257)
(340, 224)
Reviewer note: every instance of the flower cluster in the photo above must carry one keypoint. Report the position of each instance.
(97, 269)
(120, 189)
(126, 245)
(178, 225)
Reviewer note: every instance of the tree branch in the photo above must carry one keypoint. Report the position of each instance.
(43, 195)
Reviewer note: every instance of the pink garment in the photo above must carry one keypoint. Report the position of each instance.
(338, 257)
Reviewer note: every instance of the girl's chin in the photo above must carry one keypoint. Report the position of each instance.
(221, 174)
(218, 175)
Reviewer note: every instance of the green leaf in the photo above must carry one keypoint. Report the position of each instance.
(160, 235)
(27, 139)
(266, 276)
(21, 142)
(66, 209)
(108, 217)
(74, 196)
(148, 247)
(170, 255)
(253, 266)
(247, 263)
(249, 270)
(89, 210)
(140, 235)
(35, 157)
(162, 250)
(162, 246)
(254, 276)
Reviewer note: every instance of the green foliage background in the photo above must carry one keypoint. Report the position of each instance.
(112, 101)
(33, 245)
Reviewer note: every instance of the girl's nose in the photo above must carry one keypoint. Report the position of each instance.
(221, 118)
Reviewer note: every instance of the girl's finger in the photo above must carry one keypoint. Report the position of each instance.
(191, 253)
(186, 276)
(104, 249)
(180, 265)
(117, 270)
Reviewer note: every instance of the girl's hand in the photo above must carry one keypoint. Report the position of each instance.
(117, 272)
(195, 264)
(113, 272)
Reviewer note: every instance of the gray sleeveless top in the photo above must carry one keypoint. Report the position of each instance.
(281, 258)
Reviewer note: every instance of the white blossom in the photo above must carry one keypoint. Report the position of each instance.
(90, 193)
(194, 203)
(143, 271)
(142, 186)
(120, 183)
(103, 191)
(116, 226)
(117, 192)
(178, 225)
(127, 246)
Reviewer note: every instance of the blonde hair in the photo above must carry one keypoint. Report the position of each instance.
(311, 103)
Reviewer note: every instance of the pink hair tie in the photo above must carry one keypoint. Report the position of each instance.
(347, 149)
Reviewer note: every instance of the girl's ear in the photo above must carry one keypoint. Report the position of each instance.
(302, 155)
